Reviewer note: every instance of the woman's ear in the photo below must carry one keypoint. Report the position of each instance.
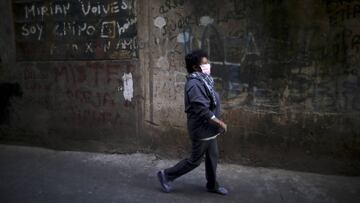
(196, 68)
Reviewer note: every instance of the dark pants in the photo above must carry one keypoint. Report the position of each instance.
(199, 148)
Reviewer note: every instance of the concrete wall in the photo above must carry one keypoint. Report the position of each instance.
(287, 72)
(77, 103)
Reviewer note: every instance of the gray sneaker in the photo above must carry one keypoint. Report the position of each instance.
(220, 190)
(163, 181)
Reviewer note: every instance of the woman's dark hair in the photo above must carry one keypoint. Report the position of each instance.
(194, 59)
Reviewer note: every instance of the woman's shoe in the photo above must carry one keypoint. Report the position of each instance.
(163, 181)
(220, 190)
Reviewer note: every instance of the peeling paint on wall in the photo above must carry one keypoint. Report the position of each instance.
(206, 20)
(160, 22)
(128, 86)
(183, 37)
(162, 62)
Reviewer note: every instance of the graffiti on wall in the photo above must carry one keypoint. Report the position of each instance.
(87, 94)
(81, 29)
(263, 59)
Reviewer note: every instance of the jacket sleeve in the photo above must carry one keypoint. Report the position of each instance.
(199, 100)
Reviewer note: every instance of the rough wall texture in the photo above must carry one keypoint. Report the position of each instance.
(71, 78)
(287, 72)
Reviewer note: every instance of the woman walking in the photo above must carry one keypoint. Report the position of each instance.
(202, 106)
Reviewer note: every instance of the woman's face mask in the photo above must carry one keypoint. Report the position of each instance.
(205, 68)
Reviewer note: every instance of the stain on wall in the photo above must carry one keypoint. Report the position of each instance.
(8, 91)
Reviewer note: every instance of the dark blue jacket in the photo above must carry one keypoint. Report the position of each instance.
(199, 110)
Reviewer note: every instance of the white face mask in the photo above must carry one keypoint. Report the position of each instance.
(205, 68)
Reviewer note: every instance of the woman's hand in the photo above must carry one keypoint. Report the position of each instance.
(220, 123)
(223, 125)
